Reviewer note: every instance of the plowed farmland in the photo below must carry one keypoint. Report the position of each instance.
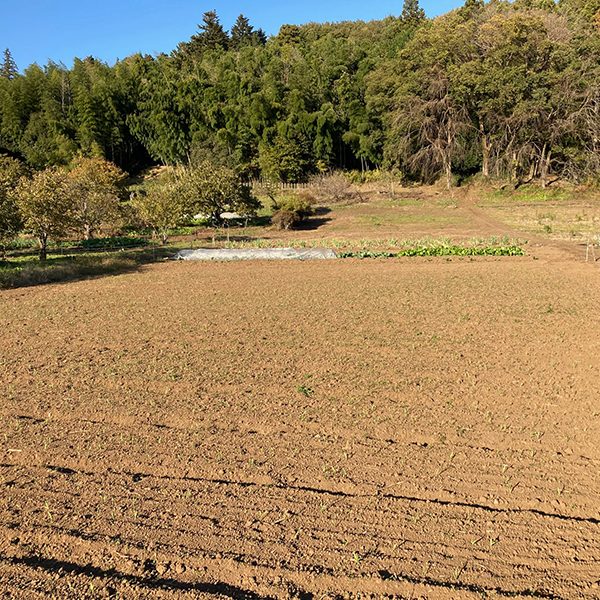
(400, 428)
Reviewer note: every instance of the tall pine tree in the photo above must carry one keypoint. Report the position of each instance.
(8, 68)
(243, 34)
(412, 14)
(211, 34)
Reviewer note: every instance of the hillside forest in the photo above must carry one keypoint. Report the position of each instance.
(508, 90)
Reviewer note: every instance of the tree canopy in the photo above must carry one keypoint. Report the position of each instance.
(509, 90)
(96, 186)
(45, 203)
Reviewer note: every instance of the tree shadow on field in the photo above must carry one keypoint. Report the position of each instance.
(59, 269)
(313, 223)
(112, 577)
(317, 221)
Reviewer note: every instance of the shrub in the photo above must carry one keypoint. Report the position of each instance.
(292, 210)
(334, 188)
(285, 219)
(373, 176)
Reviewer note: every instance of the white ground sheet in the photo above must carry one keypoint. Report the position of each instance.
(253, 253)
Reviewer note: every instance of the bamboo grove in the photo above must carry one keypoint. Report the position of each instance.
(506, 90)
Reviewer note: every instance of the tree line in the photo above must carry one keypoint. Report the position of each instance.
(508, 90)
(90, 198)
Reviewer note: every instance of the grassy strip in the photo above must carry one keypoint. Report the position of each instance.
(25, 243)
(439, 251)
(14, 274)
(107, 242)
(27, 274)
(388, 244)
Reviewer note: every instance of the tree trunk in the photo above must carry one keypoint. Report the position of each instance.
(448, 161)
(43, 240)
(532, 171)
(485, 151)
(544, 167)
(514, 169)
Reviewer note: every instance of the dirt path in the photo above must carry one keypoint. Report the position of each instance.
(483, 222)
(552, 249)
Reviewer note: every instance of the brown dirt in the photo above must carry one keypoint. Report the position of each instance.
(402, 428)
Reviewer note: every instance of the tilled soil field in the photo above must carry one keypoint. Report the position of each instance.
(401, 428)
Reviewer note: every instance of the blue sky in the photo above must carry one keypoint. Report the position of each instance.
(38, 30)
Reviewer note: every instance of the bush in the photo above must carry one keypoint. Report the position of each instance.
(335, 188)
(292, 210)
(285, 219)
(372, 176)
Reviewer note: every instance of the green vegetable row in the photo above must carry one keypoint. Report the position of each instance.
(438, 251)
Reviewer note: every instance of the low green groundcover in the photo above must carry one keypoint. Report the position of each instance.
(439, 251)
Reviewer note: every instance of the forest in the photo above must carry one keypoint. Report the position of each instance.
(504, 90)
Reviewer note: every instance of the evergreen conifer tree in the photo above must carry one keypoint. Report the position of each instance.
(211, 33)
(412, 14)
(241, 33)
(8, 68)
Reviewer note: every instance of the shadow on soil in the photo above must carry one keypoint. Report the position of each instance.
(317, 221)
(63, 567)
(313, 223)
(113, 576)
(595, 521)
(62, 269)
(235, 592)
